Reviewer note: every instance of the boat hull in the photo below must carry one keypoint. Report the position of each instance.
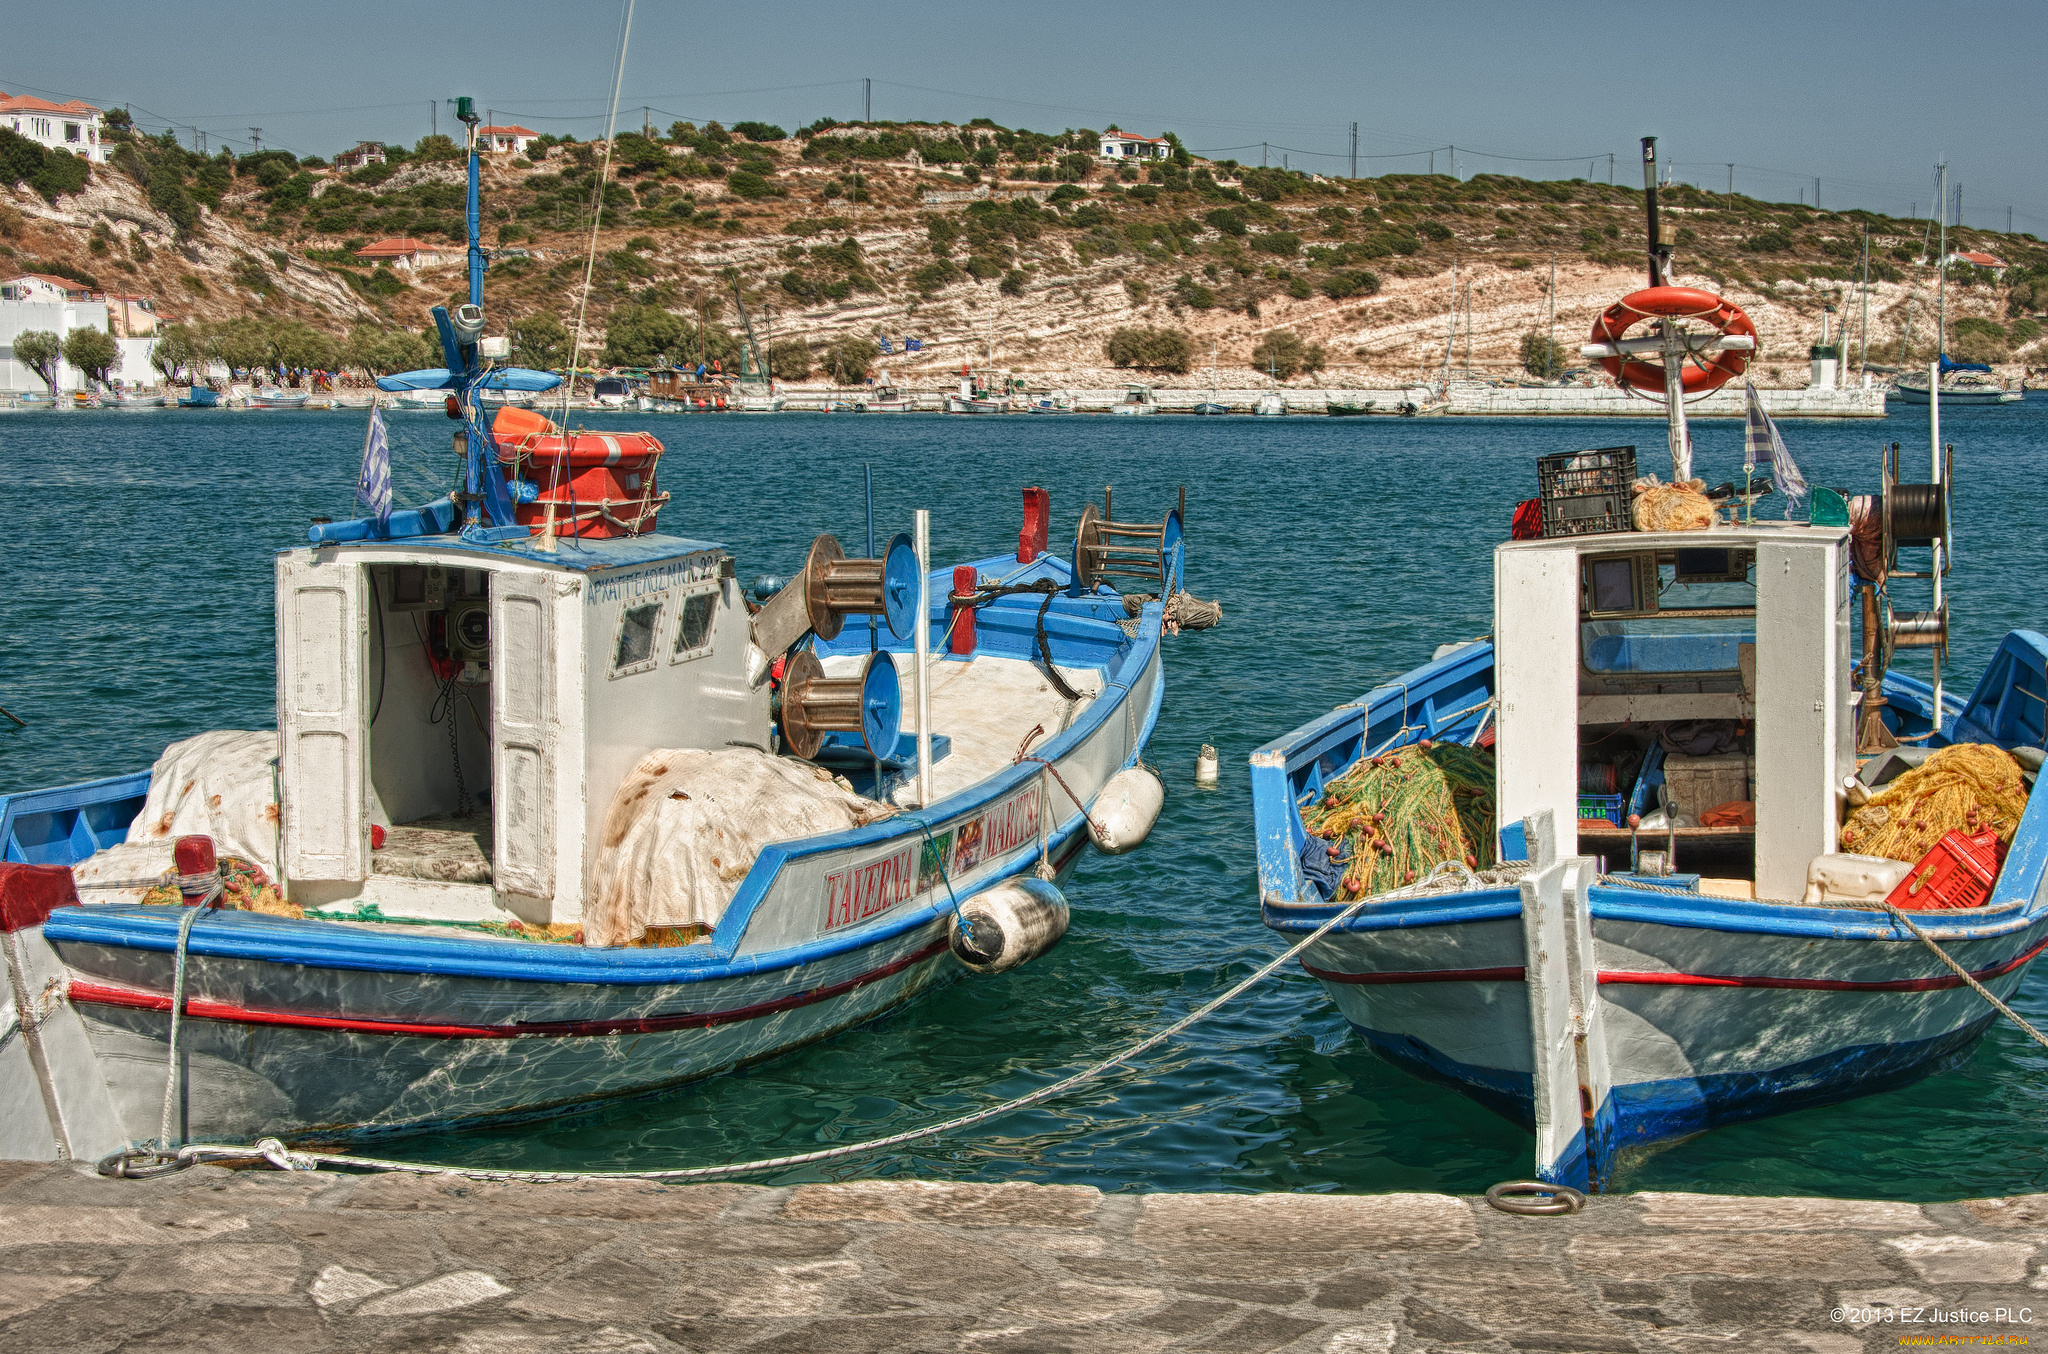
(1918, 395)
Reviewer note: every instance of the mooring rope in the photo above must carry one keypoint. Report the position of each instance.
(1943, 955)
(139, 1162)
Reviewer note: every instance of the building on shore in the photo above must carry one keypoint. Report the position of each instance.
(365, 153)
(402, 252)
(1120, 146)
(74, 126)
(512, 140)
(43, 288)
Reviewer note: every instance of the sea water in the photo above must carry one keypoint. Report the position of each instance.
(137, 594)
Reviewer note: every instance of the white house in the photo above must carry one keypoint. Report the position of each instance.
(1125, 146)
(365, 153)
(505, 140)
(43, 289)
(402, 252)
(73, 126)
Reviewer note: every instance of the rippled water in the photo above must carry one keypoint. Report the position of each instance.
(137, 595)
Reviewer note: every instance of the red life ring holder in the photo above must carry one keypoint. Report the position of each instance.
(1707, 371)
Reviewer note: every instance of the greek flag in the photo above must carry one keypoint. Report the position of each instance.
(911, 345)
(373, 490)
(885, 344)
(1764, 448)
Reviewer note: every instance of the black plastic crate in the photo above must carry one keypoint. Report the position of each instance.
(1586, 492)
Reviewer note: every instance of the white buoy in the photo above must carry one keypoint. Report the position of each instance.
(1205, 766)
(1123, 813)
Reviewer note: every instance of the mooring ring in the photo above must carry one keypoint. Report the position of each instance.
(1534, 1198)
(140, 1163)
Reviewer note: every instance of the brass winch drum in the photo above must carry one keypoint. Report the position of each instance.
(836, 587)
(1148, 551)
(814, 705)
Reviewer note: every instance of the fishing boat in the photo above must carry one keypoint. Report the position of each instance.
(1050, 402)
(1212, 406)
(887, 399)
(199, 397)
(1349, 408)
(36, 399)
(87, 399)
(975, 396)
(1138, 399)
(136, 399)
(275, 397)
(1600, 871)
(612, 392)
(555, 815)
(1272, 404)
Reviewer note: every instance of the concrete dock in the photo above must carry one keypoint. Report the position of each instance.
(256, 1261)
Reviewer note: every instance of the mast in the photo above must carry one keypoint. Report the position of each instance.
(1863, 353)
(1673, 336)
(1941, 269)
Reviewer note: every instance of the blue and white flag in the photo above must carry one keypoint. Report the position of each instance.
(1763, 448)
(373, 489)
(885, 344)
(911, 345)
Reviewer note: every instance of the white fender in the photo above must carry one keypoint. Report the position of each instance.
(1123, 813)
(1003, 927)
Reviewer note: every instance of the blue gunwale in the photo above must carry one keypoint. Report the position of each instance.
(322, 944)
(1290, 770)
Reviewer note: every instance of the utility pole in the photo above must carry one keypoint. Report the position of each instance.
(1863, 355)
(1262, 155)
(433, 117)
(647, 122)
(255, 139)
(1816, 192)
(1432, 164)
(1354, 167)
(2008, 220)
(1731, 185)
(867, 100)
(1958, 212)
(1610, 169)
(1941, 263)
(1454, 163)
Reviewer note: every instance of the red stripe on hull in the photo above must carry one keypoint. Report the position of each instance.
(1517, 974)
(206, 1008)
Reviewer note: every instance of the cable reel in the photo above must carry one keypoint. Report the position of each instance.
(814, 705)
(1152, 551)
(833, 587)
(1917, 516)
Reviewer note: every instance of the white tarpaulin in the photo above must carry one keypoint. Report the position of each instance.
(219, 785)
(686, 825)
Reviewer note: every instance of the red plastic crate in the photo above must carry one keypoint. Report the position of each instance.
(1958, 872)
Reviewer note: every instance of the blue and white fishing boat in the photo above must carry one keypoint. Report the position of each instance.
(199, 397)
(1611, 971)
(553, 816)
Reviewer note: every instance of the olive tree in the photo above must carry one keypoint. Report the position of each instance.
(38, 350)
(1284, 355)
(176, 348)
(93, 352)
(848, 360)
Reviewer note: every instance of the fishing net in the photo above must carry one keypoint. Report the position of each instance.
(1672, 507)
(1393, 818)
(1968, 787)
(244, 887)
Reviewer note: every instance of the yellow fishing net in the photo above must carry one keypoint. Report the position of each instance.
(244, 888)
(1401, 814)
(1969, 787)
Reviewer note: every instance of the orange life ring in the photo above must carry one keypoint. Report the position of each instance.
(1708, 371)
(627, 450)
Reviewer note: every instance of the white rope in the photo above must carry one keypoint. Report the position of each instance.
(188, 884)
(1963, 973)
(597, 211)
(269, 1149)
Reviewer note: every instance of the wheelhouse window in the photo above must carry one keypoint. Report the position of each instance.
(634, 651)
(693, 632)
(1683, 611)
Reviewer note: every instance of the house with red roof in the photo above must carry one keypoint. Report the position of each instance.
(401, 252)
(73, 126)
(505, 140)
(1120, 146)
(365, 153)
(1977, 259)
(43, 289)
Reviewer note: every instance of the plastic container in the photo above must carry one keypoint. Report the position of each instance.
(1602, 806)
(1958, 872)
(1697, 784)
(1587, 492)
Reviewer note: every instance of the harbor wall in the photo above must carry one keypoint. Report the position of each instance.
(1482, 400)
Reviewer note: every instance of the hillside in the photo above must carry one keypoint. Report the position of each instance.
(1032, 258)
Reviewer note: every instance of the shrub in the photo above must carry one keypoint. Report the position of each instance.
(1543, 357)
(1013, 282)
(1168, 350)
(1228, 221)
(789, 360)
(1351, 282)
(1192, 293)
(1768, 242)
(934, 276)
(751, 186)
(759, 131)
(639, 336)
(983, 266)
(50, 172)
(193, 283)
(540, 341)
(1283, 353)
(38, 350)
(848, 360)
(2024, 330)
(1284, 243)
(1438, 231)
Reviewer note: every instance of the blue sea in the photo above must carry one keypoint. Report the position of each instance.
(138, 611)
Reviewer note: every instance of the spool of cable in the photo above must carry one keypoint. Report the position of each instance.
(1921, 630)
(814, 705)
(1919, 514)
(1596, 778)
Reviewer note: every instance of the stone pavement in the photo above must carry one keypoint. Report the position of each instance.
(251, 1262)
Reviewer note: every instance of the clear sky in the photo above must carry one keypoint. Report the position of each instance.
(1866, 96)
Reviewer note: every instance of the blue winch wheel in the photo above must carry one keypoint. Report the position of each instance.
(881, 704)
(814, 705)
(899, 586)
(1172, 553)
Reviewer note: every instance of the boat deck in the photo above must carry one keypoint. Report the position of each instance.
(445, 848)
